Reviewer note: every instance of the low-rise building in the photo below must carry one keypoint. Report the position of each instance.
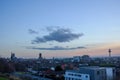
(76, 75)
(96, 73)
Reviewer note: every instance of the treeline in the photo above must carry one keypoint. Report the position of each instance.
(7, 66)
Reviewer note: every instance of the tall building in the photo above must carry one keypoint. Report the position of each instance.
(40, 55)
(13, 56)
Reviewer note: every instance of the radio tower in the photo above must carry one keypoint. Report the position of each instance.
(109, 51)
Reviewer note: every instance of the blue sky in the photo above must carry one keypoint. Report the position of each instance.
(99, 21)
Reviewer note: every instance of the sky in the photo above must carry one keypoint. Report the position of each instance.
(59, 28)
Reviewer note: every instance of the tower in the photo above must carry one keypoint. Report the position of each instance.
(109, 51)
(40, 55)
(13, 56)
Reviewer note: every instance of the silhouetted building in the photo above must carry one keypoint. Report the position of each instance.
(40, 55)
(13, 56)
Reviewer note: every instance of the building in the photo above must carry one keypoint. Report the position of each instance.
(76, 59)
(110, 73)
(13, 56)
(96, 73)
(91, 73)
(86, 58)
(40, 55)
(76, 75)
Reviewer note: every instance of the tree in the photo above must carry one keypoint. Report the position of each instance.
(5, 66)
(58, 68)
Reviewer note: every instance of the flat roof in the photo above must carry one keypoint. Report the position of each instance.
(76, 71)
(92, 67)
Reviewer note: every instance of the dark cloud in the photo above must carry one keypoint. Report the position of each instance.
(57, 48)
(32, 31)
(52, 28)
(58, 35)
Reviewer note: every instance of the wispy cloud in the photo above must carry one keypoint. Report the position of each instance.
(57, 48)
(32, 31)
(58, 35)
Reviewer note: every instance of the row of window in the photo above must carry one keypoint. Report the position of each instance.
(78, 75)
(67, 78)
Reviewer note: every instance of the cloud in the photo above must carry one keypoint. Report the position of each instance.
(58, 35)
(57, 48)
(32, 31)
(52, 28)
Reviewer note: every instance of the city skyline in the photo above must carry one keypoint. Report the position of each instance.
(59, 28)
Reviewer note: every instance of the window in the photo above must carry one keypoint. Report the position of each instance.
(79, 75)
(113, 71)
(69, 79)
(75, 74)
(86, 76)
(71, 74)
(98, 72)
(66, 78)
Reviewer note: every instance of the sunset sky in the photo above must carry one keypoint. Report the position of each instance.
(59, 28)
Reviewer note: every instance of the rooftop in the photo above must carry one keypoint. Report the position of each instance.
(92, 67)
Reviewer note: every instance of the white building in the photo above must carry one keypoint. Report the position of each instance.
(110, 73)
(76, 75)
